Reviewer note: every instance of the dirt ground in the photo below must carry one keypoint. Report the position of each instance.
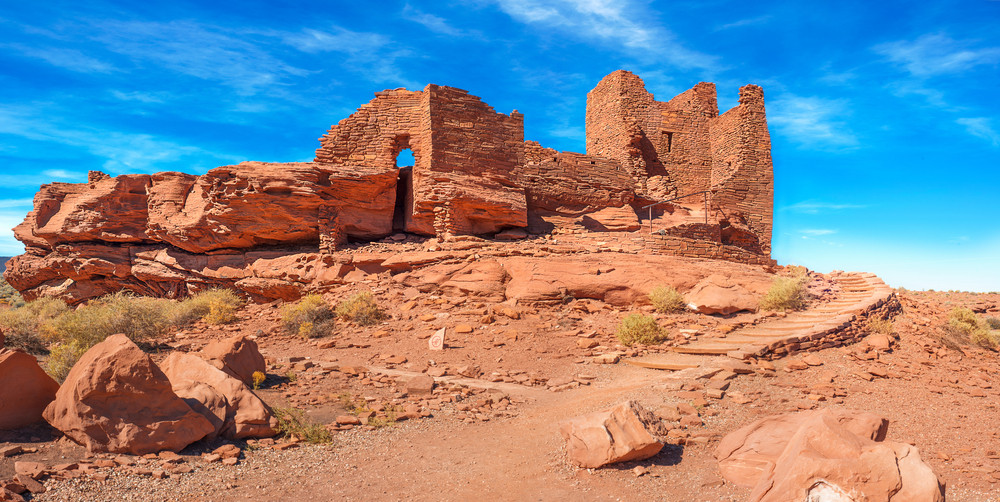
(942, 399)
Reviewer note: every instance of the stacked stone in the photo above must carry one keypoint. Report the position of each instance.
(571, 183)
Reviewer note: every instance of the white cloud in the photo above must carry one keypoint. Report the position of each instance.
(62, 174)
(142, 97)
(904, 88)
(818, 231)
(370, 54)
(744, 22)
(624, 24)
(816, 207)
(980, 127)
(813, 122)
(122, 151)
(431, 22)
(70, 59)
(937, 54)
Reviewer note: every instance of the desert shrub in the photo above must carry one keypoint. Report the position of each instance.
(666, 299)
(882, 326)
(62, 358)
(310, 317)
(965, 322)
(9, 295)
(638, 328)
(138, 318)
(293, 422)
(362, 309)
(786, 293)
(258, 379)
(22, 326)
(993, 322)
(215, 306)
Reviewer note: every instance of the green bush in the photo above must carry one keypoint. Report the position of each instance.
(638, 328)
(23, 326)
(62, 358)
(215, 306)
(310, 317)
(666, 299)
(9, 295)
(362, 309)
(292, 421)
(786, 293)
(139, 318)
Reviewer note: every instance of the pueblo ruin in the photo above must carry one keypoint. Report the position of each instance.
(667, 178)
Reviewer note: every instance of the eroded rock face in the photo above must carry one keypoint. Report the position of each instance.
(720, 295)
(234, 410)
(26, 389)
(237, 356)
(619, 434)
(117, 400)
(827, 454)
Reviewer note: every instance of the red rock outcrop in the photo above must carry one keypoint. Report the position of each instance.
(26, 389)
(825, 454)
(272, 229)
(115, 399)
(238, 356)
(619, 434)
(720, 295)
(234, 410)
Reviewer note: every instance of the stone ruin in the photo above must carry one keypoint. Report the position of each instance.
(170, 234)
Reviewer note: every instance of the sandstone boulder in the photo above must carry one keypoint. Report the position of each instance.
(25, 390)
(824, 460)
(747, 454)
(116, 399)
(234, 410)
(720, 295)
(238, 356)
(619, 434)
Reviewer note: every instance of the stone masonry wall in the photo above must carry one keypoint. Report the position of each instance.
(572, 184)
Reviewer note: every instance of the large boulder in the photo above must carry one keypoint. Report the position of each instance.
(237, 356)
(234, 410)
(720, 295)
(117, 400)
(746, 454)
(834, 455)
(26, 389)
(619, 434)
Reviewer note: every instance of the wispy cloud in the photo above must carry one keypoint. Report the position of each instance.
(624, 25)
(818, 231)
(744, 22)
(937, 54)
(816, 207)
(70, 59)
(981, 127)
(371, 54)
(62, 174)
(914, 87)
(431, 22)
(122, 151)
(813, 122)
(142, 97)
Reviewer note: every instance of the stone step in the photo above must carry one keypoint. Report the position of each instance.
(708, 350)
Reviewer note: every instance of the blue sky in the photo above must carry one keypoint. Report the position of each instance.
(884, 116)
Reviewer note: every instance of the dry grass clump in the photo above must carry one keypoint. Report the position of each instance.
(786, 293)
(965, 325)
(638, 328)
(23, 325)
(62, 357)
(362, 309)
(9, 295)
(881, 326)
(293, 422)
(666, 299)
(310, 317)
(137, 317)
(214, 306)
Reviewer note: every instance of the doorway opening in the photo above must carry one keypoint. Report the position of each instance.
(403, 211)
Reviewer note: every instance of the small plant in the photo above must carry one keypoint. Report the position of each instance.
(882, 326)
(139, 318)
(786, 293)
(666, 299)
(23, 326)
(258, 378)
(362, 309)
(311, 317)
(965, 323)
(293, 422)
(9, 295)
(638, 328)
(993, 322)
(62, 358)
(292, 377)
(215, 306)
